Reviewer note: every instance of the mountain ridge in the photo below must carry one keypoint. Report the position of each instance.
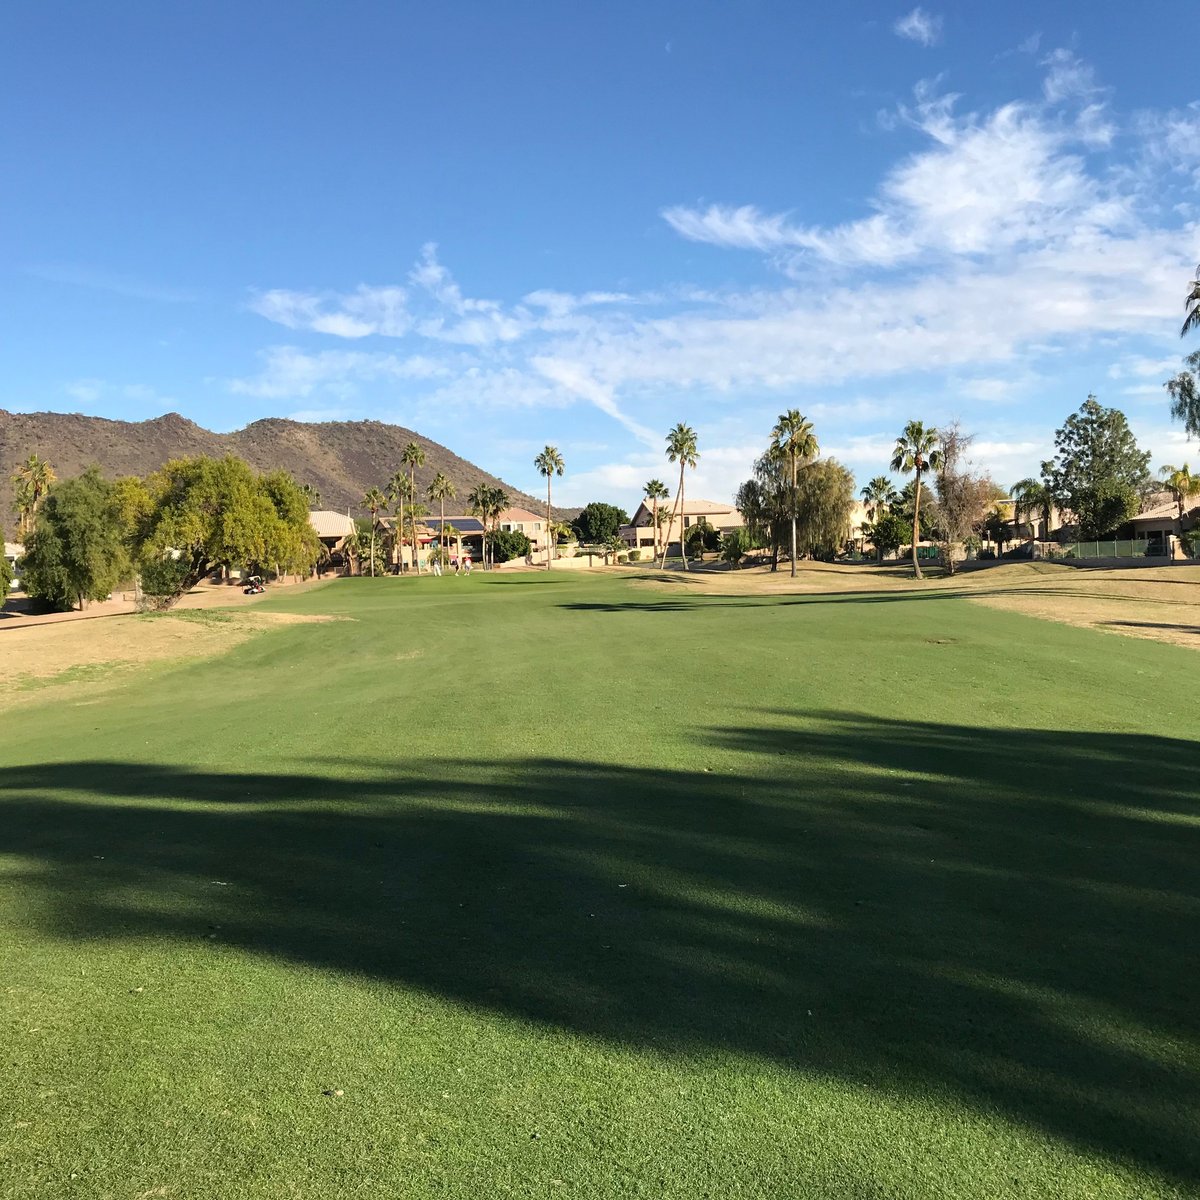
(341, 459)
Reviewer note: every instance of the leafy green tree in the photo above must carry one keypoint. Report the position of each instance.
(824, 500)
(33, 479)
(599, 523)
(794, 441)
(6, 573)
(887, 533)
(654, 491)
(413, 456)
(508, 544)
(764, 501)
(441, 489)
(76, 550)
(916, 452)
(682, 447)
(1184, 391)
(1098, 471)
(209, 513)
(549, 463)
(1182, 484)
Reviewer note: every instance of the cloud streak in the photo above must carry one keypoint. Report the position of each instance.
(919, 26)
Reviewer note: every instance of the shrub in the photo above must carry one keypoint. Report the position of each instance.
(635, 555)
(508, 544)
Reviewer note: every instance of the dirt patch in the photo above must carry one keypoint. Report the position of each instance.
(89, 655)
(1160, 603)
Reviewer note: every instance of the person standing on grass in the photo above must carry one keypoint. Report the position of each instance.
(454, 564)
(467, 563)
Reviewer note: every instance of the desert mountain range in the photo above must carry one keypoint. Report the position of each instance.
(342, 459)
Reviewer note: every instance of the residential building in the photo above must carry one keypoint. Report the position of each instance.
(639, 533)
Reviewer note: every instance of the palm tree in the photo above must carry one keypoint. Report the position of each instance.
(441, 489)
(916, 450)
(1182, 484)
(878, 496)
(793, 440)
(33, 479)
(1191, 304)
(1032, 498)
(655, 491)
(487, 502)
(373, 502)
(681, 448)
(416, 515)
(413, 456)
(399, 491)
(549, 463)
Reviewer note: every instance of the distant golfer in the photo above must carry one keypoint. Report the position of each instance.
(467, 563)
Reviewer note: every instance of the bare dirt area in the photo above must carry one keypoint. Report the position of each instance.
(1160, 603)
(89, 655)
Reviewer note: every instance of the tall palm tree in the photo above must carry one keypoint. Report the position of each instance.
(416, 515)
(917, 451)
(549, 463)
(1182, 484)
(33, 479)
(441, 489)
(399, 492)
(413, 456)
(655, 491)
(681, 448)
(878, 496)
(794, 441)
(374, 502)
(1032, 498)
(487, 502)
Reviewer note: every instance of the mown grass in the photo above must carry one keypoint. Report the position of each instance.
(572, 888)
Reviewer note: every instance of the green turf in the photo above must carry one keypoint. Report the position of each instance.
(579, 889)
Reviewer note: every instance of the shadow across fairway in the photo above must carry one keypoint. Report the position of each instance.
(1005, 918)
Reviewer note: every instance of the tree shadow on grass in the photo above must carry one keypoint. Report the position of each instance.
(1003, 919)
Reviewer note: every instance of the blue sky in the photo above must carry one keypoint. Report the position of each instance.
(507, 224)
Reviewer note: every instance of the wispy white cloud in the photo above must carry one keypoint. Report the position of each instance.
(1012, 236)
(289, 372)
(919, 26)
(986, 184)
(367, 310)
(1067, 76)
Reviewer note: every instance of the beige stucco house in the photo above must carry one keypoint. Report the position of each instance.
(639, 533)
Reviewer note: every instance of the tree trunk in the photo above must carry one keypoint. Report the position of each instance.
(682, 523)
(916, 528)
(671, 525)
(793, 518)
(412, 487)
(401, 533)
(654, 519)
(372, 546)
(549, 534)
